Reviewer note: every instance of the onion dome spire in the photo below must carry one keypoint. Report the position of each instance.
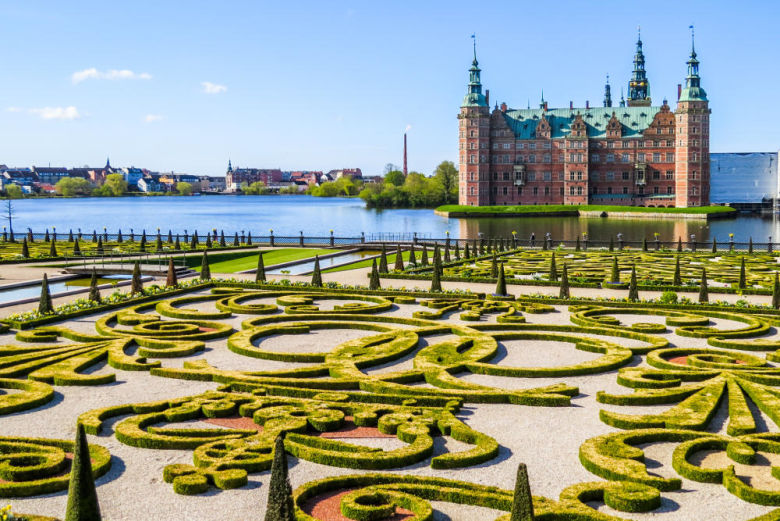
(693, 90)
(474, 96)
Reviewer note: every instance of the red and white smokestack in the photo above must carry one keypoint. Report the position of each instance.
(405, 153)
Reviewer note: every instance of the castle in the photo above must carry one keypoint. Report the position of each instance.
(634, 154)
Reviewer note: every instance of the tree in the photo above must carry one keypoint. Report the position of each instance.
(71, 186)
(53, 249)
(447, 174)
(501, 283)
(383, 260)
(424, 256)
(205, 270)
(256, 188)
(776, 293)
(13, 191)
(703, 292)
(633, 292)
(390, 167)
(260, 272)
(114, 186)
(9, 215)
(94, 292)
(523, 502)
(395, 177)
(44, 304)
(553, 276)
(373, 281)
(184, 188)
(564, 292)
(677, 279)
(82, 495)
(615, 275)
(742, 275)
(171, 280)
(280, 501)
(436, 279)
(399, 259)
(316, 275)
(136, 285)
(412, 256)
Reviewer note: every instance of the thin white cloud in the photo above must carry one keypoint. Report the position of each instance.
(14, 109)
(65, 113)
(151, 118)
(111, 74)
(213, 88)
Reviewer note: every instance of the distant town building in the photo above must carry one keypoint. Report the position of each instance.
(630, 154)
(51, 175)
(149, 184)
(354, 173)
(235, 178)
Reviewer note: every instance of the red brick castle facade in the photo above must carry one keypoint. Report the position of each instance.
(634, 154)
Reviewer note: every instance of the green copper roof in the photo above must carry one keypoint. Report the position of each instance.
(693, 94)
(633, 119)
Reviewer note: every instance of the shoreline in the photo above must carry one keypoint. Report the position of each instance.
(587, 211)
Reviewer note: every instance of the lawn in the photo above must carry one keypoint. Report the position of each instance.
(270, 257)
(367, 263)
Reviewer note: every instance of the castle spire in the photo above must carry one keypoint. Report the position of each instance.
(639, 87)
(230, 166)
(693, 90)
(474, 96)
(542, 102)
(607, 94)
(622, 99)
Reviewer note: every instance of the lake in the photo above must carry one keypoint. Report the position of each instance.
(289, 214)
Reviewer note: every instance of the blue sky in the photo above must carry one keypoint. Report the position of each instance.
(320, 85)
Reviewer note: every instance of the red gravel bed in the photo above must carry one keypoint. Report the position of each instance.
(327, 507)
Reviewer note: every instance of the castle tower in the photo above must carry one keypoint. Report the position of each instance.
(607, 94)
(639, 87)
(692, 148)
(474, 142)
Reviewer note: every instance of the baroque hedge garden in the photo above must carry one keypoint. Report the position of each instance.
(389, 400)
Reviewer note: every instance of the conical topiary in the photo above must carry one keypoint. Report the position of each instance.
(53, 249)
(316, 275)
(170, 236)
(436, 280)
(119, 238)
(564, 293)
(171, 281)
(249, 239)
(208, 241)
(44, 303)
(447, 252)
(424, 256)
(523, 501)
(222, 243)
(177, 244)
(704, 295)
(82, 495)
(677, 278)
(194, 241)
(280, 501)
(236, 244)
(501, 284)
(76, 248)
(142, 244)
(158, 243)
(412, 256)
(373, 281)
(615, 275)
(383, 260)
(99, 248)
(94, 292)
(633, 292)
(25, 249)
(679, 244)
(553, 275)
(714, 245)
(742, 275)
(750, 245)
(776, 293)
(205, 270)
(399, 259)
(494, 267)
(466, 252)
(611, 244)
(136, 286)
(577, 244)
(260, 272)
(644, 244)
(457, 251)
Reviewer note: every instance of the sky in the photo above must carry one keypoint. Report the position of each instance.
(302, 85)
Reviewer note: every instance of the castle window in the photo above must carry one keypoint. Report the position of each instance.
(694, 175)
(472, 190)
(571, 176)
(561, 158)
(520, 145)
(625, 158)
(624, 175)
(571, 190)
(532, 158)
(611, 144)
(506, 176)
(610, 158)
(579, 176)
(473, 159)
(610, 176)
(579, 190)
(504, 190)
(495, 146)
(670, 157)
(694, 191)
(536, 190)
(531, 176)
(546, 190)
(519, 159)
(579, 158)
(472, 134)
(561, 176)
(656, 176)
(595, 158)
(547, 145)
(669, 175)
(532, 146)
(625, 189)
(640, 157)
(561, 191)
(547, 158)
(547, 176)
(656, 157)
(694, 157)
(594, 176)
(507, 146)
(658, 130)
(655, 190)
(519, 190)
(669, 190)
(609, 189)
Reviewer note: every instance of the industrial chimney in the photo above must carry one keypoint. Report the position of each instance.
(405, 172)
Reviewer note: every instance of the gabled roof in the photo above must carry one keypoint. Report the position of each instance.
(634, 120)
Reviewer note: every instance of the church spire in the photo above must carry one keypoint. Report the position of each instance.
(639, 87)
(622, 99)
(607, 94)
(693, 90)
(230, 166)
(474, 96)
